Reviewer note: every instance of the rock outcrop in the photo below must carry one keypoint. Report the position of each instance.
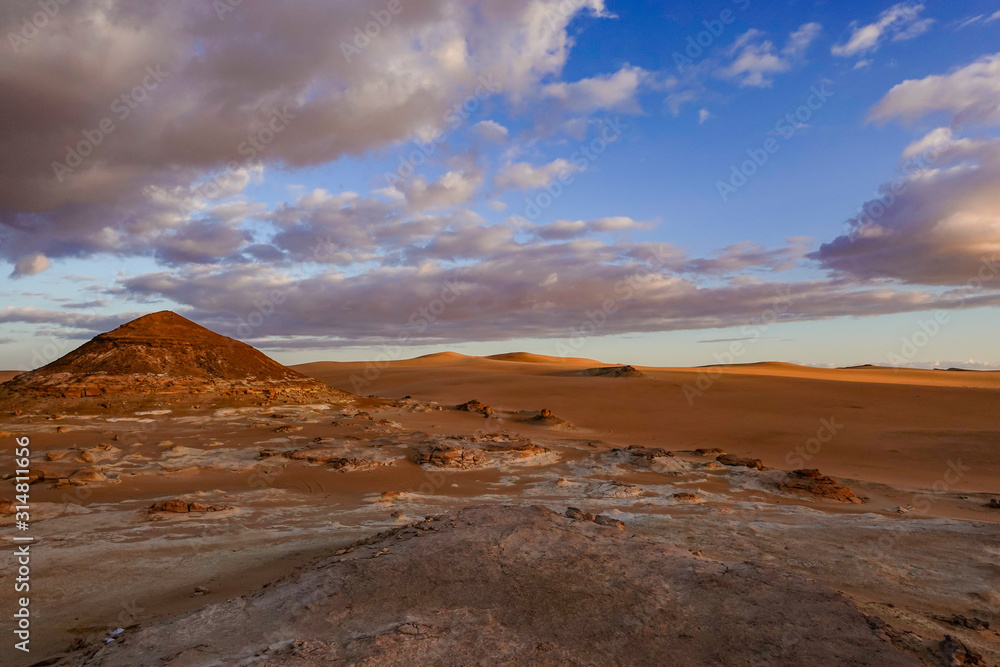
(812, 482)
(737, 461)
(614, 372)
(464, 453)
(514, 585)
(475, 406)
(179, 506)
(546, 418)
(163, 356)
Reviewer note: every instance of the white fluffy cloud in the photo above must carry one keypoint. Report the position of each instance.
(617, 91)
(524, 176)
(491, 131)
(900, 22)
(971, 94)
(755, 60)
(30, 265)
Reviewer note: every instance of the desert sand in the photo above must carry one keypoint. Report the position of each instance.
(518, 509)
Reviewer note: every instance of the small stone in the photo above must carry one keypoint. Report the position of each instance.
(602, 520)
(578, 514)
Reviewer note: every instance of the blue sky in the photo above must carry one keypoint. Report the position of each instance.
(584, 201)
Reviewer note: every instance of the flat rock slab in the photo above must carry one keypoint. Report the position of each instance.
(497, 585)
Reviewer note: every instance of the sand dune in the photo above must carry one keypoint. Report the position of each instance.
(529, 358)
(896, 427)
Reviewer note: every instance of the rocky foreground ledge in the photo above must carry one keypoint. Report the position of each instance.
(503, 585)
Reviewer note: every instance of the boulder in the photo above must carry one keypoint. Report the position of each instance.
(814, 483)
(175, 505)
(578, 514)
(603, 520)
(87, 476)
(714, 452)
(736, 461)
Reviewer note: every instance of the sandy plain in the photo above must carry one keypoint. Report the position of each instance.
(921, 449)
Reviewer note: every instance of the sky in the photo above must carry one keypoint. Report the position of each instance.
(647, 182)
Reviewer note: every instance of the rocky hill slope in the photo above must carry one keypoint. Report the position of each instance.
(166, 356)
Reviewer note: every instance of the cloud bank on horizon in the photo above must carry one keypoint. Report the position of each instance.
(315, 174)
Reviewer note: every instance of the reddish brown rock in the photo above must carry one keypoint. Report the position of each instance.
(87, 476)
(714, 451)
(175, 505)
(955, 653)
(474, 454)
(814, 483)
(545, 417)
(736, 461)
(603, 520)
(643, 453)
(579, 515)
(179, 506)
(614, 372)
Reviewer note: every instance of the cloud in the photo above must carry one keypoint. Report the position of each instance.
(452, 189)
(900, 22)
(755, 61)
(971, 94)
(31, 265)
(563, 230)
(491, 131)
(223, 107)
(703, 115)
(542, 290)
(524, 176)
(617, 91)
(69, 320)
(938, 222)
